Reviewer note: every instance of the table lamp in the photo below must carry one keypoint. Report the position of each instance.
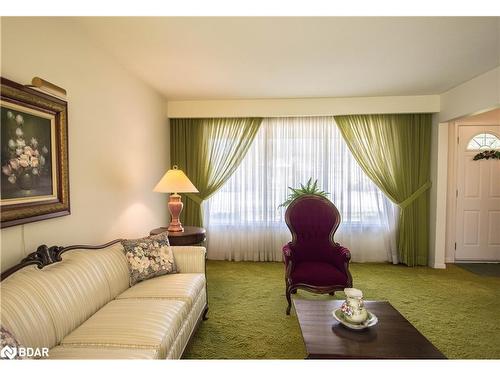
(175, 181)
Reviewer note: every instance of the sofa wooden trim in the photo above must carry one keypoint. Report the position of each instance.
(44, 255)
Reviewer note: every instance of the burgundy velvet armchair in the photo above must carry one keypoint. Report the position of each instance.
(313, 260)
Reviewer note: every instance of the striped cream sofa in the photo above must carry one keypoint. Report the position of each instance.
(77, 302)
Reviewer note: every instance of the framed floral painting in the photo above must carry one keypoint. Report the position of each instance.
(34, 155)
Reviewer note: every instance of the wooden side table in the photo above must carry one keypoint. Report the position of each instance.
(190, 236)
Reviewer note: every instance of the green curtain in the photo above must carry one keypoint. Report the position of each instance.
(208, 151)
(394, 151)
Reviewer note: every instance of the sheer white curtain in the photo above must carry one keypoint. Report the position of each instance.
(243, 220)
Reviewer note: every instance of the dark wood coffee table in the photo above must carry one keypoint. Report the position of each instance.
(393, 337)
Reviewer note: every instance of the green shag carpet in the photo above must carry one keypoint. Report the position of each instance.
(458, 311)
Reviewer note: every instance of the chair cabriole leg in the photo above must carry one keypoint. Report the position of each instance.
(289, 299)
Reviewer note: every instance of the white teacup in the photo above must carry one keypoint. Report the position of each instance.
(353, 307)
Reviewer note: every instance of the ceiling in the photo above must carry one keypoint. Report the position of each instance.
(277, 57)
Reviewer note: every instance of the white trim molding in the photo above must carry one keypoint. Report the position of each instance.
(303, 106)
(439, 265)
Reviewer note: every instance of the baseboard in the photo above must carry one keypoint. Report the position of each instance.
(439, 265)
(450, 260)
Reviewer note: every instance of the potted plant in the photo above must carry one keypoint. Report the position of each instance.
(310, 188)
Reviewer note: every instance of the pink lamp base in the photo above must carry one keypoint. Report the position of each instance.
(175, 206)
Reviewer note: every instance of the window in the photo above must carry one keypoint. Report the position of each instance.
(484, 141)
(243, 219)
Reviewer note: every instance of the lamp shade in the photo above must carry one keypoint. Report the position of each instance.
(175, 181)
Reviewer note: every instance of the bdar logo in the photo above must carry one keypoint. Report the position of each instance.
(8, 352)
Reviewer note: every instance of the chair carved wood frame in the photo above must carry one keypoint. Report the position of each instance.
(313, 221)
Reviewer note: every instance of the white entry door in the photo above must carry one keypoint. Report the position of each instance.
(478, 195)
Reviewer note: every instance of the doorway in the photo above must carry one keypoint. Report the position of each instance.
(477, 194)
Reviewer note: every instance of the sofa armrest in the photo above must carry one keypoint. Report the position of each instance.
(189, 259)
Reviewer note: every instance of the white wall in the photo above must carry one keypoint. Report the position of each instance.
(118, 137)
(438, 192)
(479, 94)
(433, 190)
(303, 107)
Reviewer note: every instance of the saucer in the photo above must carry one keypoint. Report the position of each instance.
(371, 321)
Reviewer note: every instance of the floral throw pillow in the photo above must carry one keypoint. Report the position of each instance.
(148, 257)
(8, 345)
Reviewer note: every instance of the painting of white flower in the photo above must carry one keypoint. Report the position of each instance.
(26, 148)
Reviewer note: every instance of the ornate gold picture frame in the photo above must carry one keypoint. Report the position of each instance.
(34, 155)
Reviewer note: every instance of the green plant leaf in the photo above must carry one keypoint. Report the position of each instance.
(315, 186)
(310, 188)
